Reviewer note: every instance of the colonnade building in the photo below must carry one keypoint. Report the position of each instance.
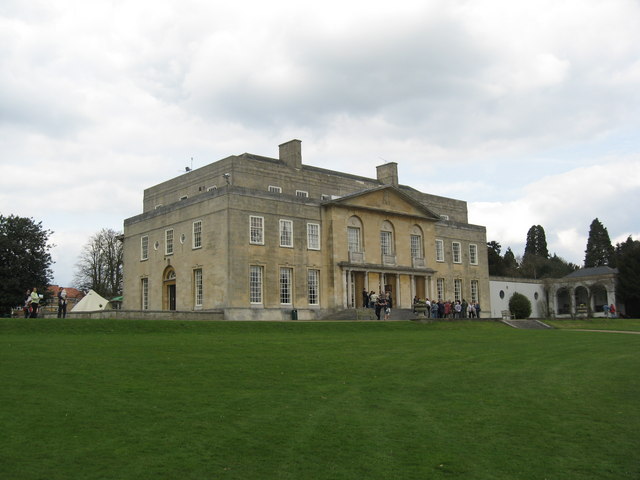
(253, 237)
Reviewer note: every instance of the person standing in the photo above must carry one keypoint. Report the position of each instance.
(35, 302)
(379, 300)
(27, 305)
(477, 309)
(62, 303)
(384, 307)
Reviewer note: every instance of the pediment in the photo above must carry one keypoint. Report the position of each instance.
(387, 199)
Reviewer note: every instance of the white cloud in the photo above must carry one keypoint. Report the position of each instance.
(528, 110)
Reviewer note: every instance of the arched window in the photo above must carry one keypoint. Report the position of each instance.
(354, 234)
(417, 245)
(386, 238)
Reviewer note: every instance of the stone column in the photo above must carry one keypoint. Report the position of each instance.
(345, 287)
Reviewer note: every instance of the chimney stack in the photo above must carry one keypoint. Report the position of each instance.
(291, 153)
(388, 173)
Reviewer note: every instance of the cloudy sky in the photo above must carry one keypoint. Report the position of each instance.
(529, 111)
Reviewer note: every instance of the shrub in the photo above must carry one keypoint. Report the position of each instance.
(520, 306)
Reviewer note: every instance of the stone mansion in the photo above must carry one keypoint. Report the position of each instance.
(255, 238)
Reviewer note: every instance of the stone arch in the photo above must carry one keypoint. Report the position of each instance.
(599, 297)
(563, 301)
(582, 298)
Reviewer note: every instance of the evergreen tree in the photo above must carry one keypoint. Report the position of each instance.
(496, 263)
(628, 288)
(536, 253)
(536, 242)
(510, 264)
(25, 261)
(599, 250)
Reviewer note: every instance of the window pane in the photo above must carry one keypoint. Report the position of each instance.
(440, 287)
(168, 241)
(385, 243)
(197, 234)
(144, 248)
(313, 236)
(145, 293)
(353, 239)
(473, 254)
(197, 281)
(314, 287)
(256, 230)
(286, 233)
(439, 251)
(455, 250)
(285, 285)
(255, 284)
(416, 246)
(457, 289)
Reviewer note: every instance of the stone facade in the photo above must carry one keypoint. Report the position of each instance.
(259, 238)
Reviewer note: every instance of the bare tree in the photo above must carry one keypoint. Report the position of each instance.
(100, 264)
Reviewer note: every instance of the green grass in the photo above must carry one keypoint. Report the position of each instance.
(368, 400)
(631, 325)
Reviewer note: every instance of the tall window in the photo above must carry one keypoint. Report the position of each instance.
(197, 234)
(457, 290)
(473, 254)
(286, 274)
(455, 252)
(255, 284)
(353, 234)
(439, 250)
(144, 247)
(386, 239)
(416, 246)
(197, 284)
(168, 242)
(286, 233)
(256, 230)
(144, 290)
(440, 288)
(313, 282)
(313, 236)
(474, 290)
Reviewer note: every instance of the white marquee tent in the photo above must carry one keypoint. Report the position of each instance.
(92, 302)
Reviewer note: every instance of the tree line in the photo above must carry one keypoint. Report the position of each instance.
(25, 262)
(538, 263)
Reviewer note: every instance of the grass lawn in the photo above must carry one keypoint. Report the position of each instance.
(631, 325)
(347, 400)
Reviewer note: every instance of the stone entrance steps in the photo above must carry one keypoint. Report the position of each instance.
(528, 324)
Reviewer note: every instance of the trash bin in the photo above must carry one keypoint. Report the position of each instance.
(294, 314)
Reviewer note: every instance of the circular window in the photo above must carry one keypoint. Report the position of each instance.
(156, 245)
(535, 295)
(183, 237)
(501, 293)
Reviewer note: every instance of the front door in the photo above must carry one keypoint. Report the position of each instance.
(171, 296)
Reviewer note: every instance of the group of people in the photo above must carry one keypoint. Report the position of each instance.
(381, 302)
(32, 303)
(609, 311)
(448, 309)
